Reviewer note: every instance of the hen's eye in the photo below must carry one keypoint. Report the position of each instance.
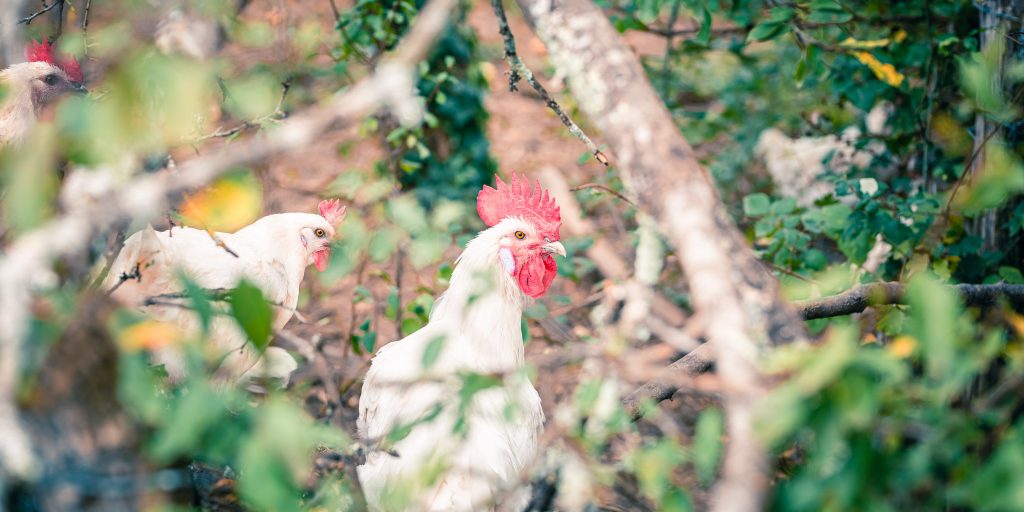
(319, 232)
(520, 235)
(50, 79)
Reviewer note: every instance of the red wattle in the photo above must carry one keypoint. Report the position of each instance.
(536, 274)
(321, 258)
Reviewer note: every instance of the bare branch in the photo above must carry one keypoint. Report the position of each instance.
(864, 296)
(605, 188)
(519, 71)
(26, 265)
(46, 8)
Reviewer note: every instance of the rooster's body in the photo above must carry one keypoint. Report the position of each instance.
(272, 253)
(462, 453)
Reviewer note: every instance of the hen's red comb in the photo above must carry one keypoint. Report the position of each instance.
(42, 51)
(332, 210)
(516, 199)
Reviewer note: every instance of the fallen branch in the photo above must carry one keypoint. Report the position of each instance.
(519, 71)
(858, 299)
(26, 266)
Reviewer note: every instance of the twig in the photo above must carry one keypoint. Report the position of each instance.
(276, 115)
(968, 165)
(85, 27)
(135, 274)
(519, 71)
(46, 8)
(667, 59)
(335, 11)
(606, 188)
(220, 243)
(60, 19)
(85, 15)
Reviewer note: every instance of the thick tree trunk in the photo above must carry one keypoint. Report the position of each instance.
(735, 298)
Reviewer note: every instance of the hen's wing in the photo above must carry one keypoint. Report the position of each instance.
(390, 395)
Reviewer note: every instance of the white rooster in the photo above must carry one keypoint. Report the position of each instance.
(462, 453)
(272, 253)
(32, 88)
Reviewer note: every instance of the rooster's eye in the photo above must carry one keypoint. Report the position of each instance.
(520, 235)
(50, 79)
(319, 232)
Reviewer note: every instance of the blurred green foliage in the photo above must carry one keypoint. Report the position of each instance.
(913, 407)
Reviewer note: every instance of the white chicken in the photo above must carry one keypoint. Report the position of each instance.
(272, 254)
(33, 88)
(461, 450)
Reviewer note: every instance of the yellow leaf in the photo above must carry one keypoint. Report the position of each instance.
(1017, 322)
(885, 72)
(900, 36)
(227, 205)
(149, 335)
(902, 346)
(850, 42)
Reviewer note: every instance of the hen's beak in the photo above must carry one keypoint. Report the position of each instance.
(554, 248)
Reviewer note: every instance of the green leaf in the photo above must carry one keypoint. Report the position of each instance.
(704, 36)
(707, 444)
(1011, 275)
(391, 311)
(934, 312)
(252, 312)
(432, 351)
(411, 324)
(783, 206)
(756, 205)
(767, 30)
(199, 302)
(426, 248)
(369, 340)
(828, 11)
(383, 243)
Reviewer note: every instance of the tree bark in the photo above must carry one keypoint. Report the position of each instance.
(735, 297)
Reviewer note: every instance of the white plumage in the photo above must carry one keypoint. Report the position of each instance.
(440, 466)
(273, 254)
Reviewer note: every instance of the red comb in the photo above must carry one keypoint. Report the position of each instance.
(42, 51)
(516, 199)
(332, 210)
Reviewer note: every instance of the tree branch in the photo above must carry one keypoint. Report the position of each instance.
(860, 298)
(26, 266)
(736, 298)
(519, 71)
(46, 8)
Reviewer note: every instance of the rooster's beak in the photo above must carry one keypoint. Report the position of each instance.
(554, 248)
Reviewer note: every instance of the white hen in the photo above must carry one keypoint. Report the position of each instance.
(464, 453)
(272, 253)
